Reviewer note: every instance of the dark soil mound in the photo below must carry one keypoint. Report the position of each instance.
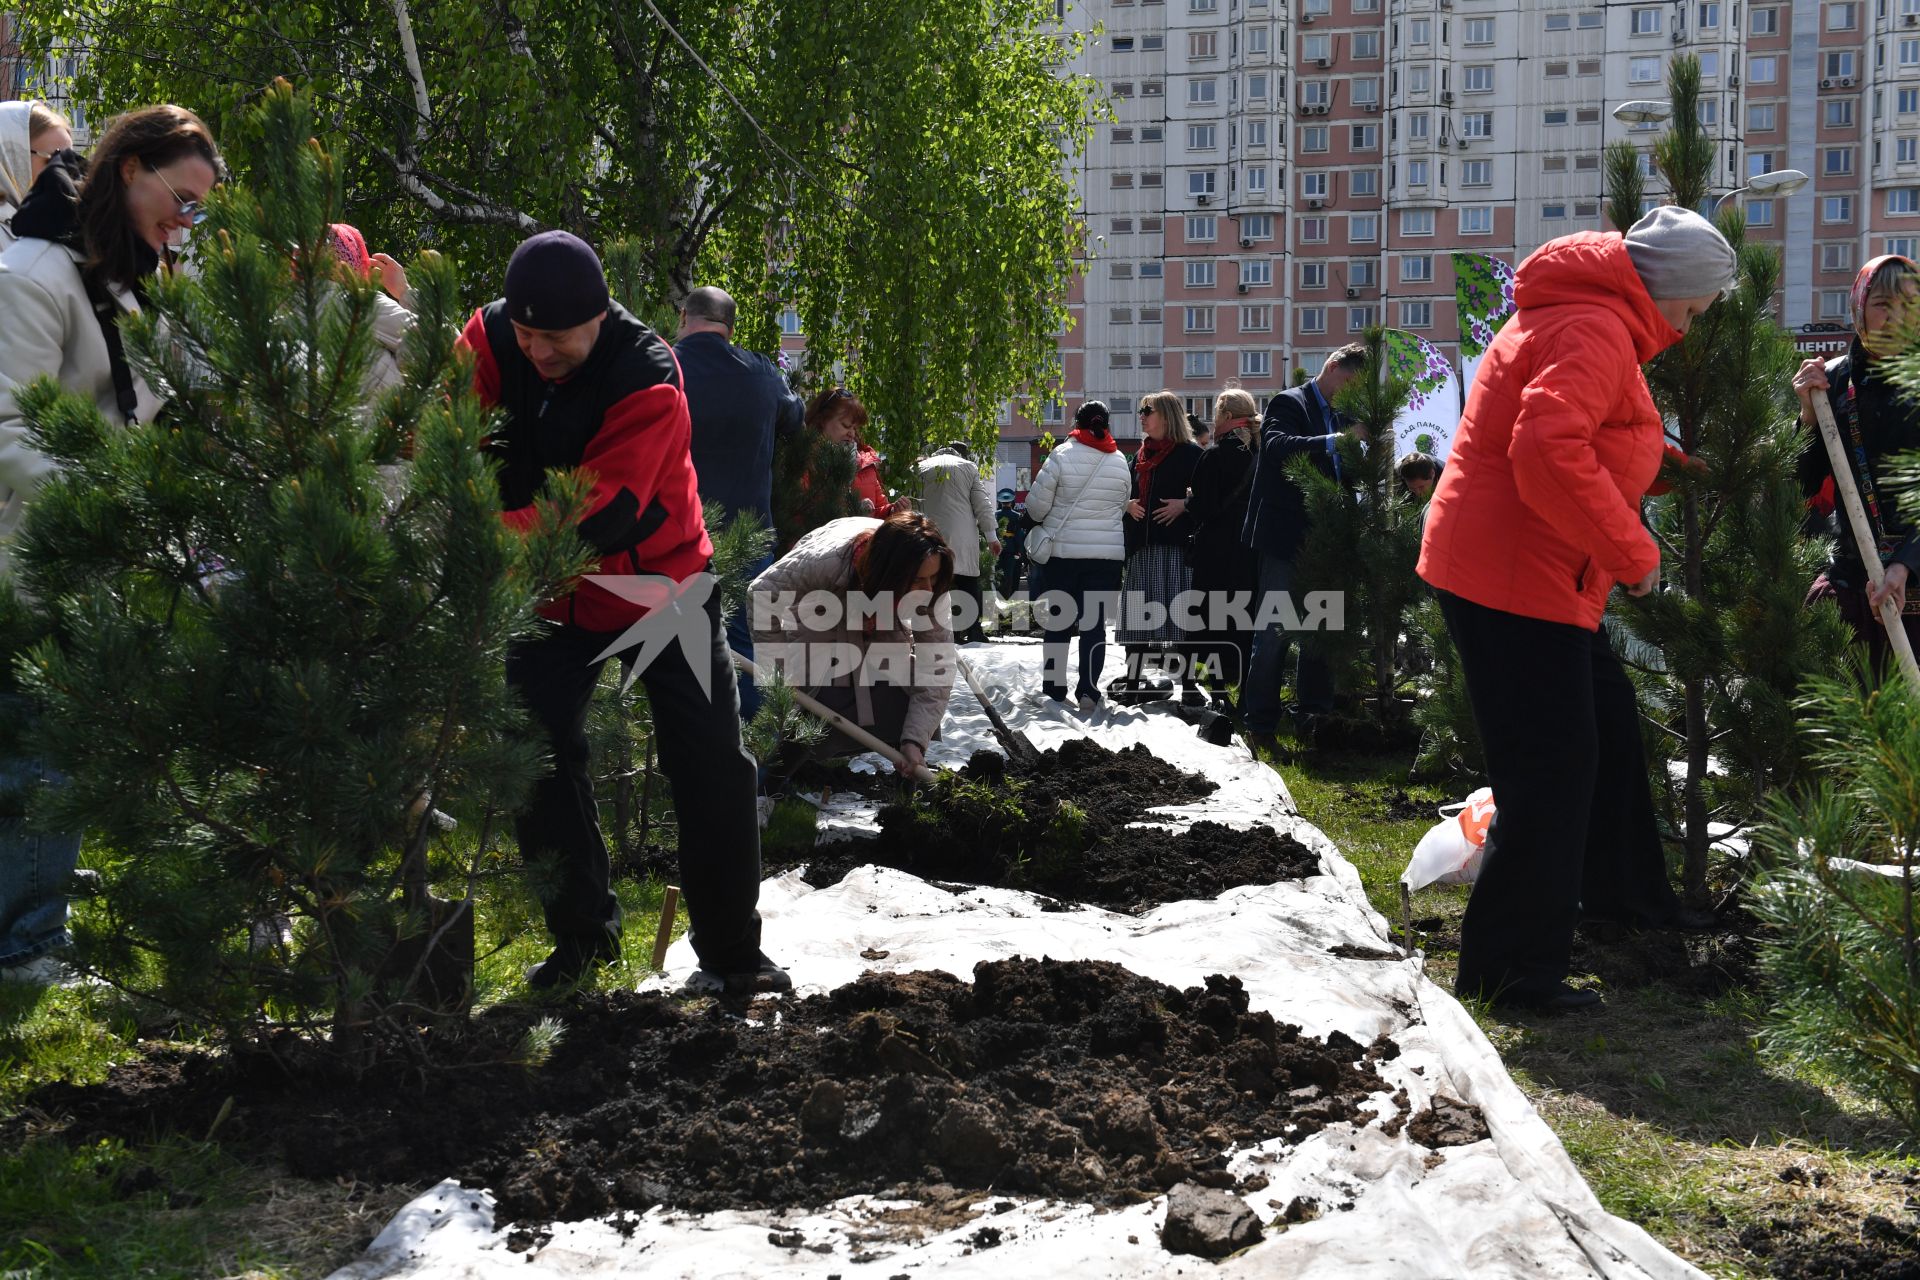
(1059, 827)
(1075, 1079)
(1882, 1249)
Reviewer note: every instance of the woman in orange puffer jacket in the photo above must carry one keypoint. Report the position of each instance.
(1535, 520)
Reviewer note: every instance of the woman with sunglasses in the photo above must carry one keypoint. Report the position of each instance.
(85, 252)
(31, 134)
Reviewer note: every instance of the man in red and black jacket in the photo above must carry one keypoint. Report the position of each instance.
(584, 385)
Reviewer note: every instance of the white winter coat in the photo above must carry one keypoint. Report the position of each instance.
(954, 497)
(47, 326)
(1090, 530)
(16, 161)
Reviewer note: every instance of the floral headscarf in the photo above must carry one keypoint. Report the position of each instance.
(1863, 285)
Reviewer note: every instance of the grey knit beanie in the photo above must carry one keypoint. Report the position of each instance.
(1679, 254)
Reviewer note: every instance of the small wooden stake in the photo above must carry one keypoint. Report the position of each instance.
(669, 904)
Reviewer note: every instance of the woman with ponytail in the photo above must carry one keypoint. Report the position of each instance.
(1076, 547)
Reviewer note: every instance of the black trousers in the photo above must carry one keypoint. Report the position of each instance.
(1574, 830)
(1088, 593)
(968, 584)
(709, 772)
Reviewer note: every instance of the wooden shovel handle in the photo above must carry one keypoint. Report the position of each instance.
(1856, 516)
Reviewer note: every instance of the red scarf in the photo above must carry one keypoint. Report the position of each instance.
(1104, 443)
(1152, 454)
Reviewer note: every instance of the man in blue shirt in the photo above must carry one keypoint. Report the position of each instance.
(740, 403)
(1300, 420)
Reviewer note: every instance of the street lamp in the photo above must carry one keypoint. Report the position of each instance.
(1776, 182)
(1643, 111)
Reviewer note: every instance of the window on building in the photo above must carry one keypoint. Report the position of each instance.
(1121, 89)
(1834, 304)
(1558, 70)
(1592, 20)
(1256, 319)
(1151, 270)
(1762, 70)
(1120, 270)
(1203, 6)
(1553, 164)
(1149, 359)
(1313, 137)
(1840, 208)
(1416, 268)
(1553, 212)
(1121, 227)
(1764, 22)
(1256, 272)
(1417, 124)
(1478, 31)
(1153, 179)
(1838, 161)
(1707, 111)
(1476, 173)
(1646, 22)
(1312, 230)
(1759, 162)
(1910, 53)
(1709, 64)
(1587, 66)
(1366, 45)
(1154, 89)
(1836, 257)
(1151, 133)
(1257, 226)
(1119, 315)
(1119, 359)
(1201, 137)
(1202, 227)
(1360, 319)
(1643, 70)
(1476, 220)
(1477, 78)
(1313, 186)
(1257, 40)
(1256, 180)
(1200, 182)
(1761, 117)
(1586, 164)
(1586, 115)
(1554, 116)
(1908, 102)
(1123, 44)
(1202, 45)
(1149, 315)
(790, 322)
(1313, 319)
(1904, 246)
(1199, 364)
(1420, 80)
(1707, 17)
(1199, 320)
(1365, 91)
(1313, 275)
(1257, 86)
(1559, 22)
(1759, 213)
(1420, 31)
(1202, 275)
(1256, 135)
(1363, 228)
(1317, 48)
(1843, 17)
(1418, 172)
(1365, 137)
(1360, 273)
(1416, 315)
(1905, 150)
(1151, 224)
(1365, 182)
(1202, 92)
(1152, 44)
(1840, 63)
(1899, 200)
(1122, 182)
(1256, 364)
(1313, 93)
(1416, 222)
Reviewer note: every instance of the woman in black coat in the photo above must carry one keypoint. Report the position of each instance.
(1157, 527)
(1223, 566)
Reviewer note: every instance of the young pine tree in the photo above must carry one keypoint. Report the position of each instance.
(812, 484)
(259, 672)
(1363, 539)
(1733, 639)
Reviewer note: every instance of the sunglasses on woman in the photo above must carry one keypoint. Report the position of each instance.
(191, 210)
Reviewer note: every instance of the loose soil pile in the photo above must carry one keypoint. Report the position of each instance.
(1057, 1078)
(1882, 1249)
(1059, 827)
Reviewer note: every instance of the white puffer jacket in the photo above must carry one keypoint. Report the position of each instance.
(1090, 529)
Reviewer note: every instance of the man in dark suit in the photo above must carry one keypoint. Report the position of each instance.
(1299, 421)
(740, 403)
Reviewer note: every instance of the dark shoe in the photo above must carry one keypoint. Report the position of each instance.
(1192, 698)
(1263, 744)
(566, 964)
(1564, 1000)
(766, 976)
(1693, 920)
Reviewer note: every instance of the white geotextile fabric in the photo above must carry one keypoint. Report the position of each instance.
(1510, 1206)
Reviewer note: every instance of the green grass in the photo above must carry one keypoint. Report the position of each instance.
(183, 1205)
(1663, 1100)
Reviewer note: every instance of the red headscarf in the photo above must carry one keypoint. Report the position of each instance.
(351, 247)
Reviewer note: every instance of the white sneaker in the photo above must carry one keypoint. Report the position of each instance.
(1088, 704)
(47, 970)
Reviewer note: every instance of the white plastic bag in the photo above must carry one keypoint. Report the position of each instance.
(1450, 852)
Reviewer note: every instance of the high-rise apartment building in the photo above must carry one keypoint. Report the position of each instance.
(1282, 173)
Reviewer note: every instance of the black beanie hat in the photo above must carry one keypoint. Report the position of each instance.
(554, 281)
